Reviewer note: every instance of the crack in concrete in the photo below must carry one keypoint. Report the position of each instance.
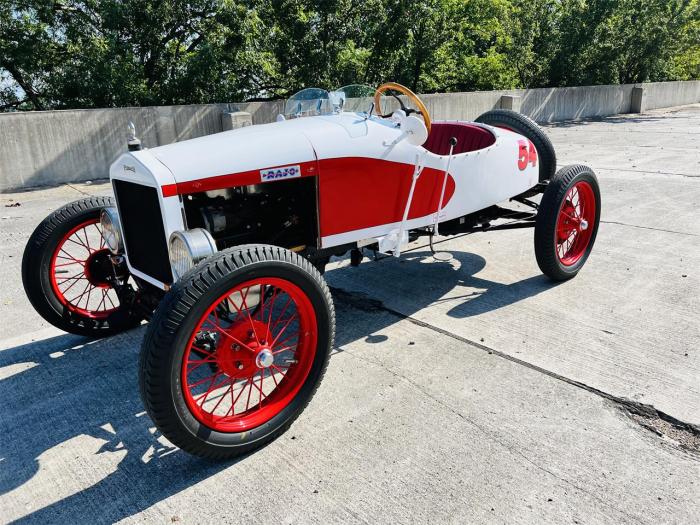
(686, 435)
(78, 190)
(487, 432)
(650, 228)
(669, 173)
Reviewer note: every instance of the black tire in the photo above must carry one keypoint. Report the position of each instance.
(552, 204)
(525, 126)
(175, 321)
(36, 272)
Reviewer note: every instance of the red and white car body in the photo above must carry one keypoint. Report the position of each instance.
(362, 165)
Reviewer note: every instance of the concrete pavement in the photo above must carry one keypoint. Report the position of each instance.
(466, 390)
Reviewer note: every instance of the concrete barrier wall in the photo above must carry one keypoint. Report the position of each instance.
(543, 104)
(574, 103)
(54, 147)
(462, 106)
(670, 94)
(51, 147)
(262, 112)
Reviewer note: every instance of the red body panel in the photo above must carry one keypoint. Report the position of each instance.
(356, 193)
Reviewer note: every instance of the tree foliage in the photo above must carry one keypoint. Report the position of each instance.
(105, 53)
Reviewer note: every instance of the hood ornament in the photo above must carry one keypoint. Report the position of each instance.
(132, 141)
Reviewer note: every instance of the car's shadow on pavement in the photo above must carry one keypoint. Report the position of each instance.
(79, 388)
(417, 281)
(69, 388)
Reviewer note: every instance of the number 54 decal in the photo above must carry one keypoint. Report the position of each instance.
(526, 154)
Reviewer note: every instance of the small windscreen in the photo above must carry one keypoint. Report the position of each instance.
(307, 103)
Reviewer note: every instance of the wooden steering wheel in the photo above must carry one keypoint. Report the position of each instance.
(421, 109)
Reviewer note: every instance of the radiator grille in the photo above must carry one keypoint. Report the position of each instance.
(144, 235)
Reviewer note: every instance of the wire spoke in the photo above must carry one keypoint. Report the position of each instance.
(261, 306)
(575, 219)
(87, 301)
(202, 381)
(102, 302)
(64, 280)
(223, 396)
(200, 361)
(71, 286)
(81, 244)
(284, 349)
(211, 388)
(259, 388)
(87, 240)
(294, 316)
(79, 296)
(110, 300)
(240, 393)
(272, 375)
(203, 351)
(279, 317)
(99, 232)
(66, 264)
(247, 310)
(250, 391)
(279, 370)
(69, 256)
(232, 337)
(197, 365)
(233, 303)
(273, 299)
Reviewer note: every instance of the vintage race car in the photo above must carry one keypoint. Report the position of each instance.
(221, 243)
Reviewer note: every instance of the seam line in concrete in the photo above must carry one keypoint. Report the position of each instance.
(601, 168)
(358, 299)
(78, 190)
(491, 435)
(651, 228)
(669, 173)
(574, 129)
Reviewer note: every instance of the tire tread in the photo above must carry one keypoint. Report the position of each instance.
(33, 261)
(527, 127)
(154, 364)
(545, 224)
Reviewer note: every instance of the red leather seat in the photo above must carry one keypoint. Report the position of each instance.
(470, 137)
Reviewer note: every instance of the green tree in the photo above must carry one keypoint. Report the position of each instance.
(97, 53)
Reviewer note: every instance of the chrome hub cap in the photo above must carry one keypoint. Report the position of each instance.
(265, 359)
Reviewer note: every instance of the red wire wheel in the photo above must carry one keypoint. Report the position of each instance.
(567, 222)
(249, 355)
(69, 277)
(236, 350)
(77, 272)
(575, 223)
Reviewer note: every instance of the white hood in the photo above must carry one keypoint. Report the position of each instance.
(240, 150)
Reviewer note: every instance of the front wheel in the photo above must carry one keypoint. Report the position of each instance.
(68, 275)
(236, 350)
(567, 222)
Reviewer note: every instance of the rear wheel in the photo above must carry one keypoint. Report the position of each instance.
(68, 275)
(567, 222)
(525, 126)
(236, 350)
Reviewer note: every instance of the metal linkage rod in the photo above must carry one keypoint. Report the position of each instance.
(453, 143)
